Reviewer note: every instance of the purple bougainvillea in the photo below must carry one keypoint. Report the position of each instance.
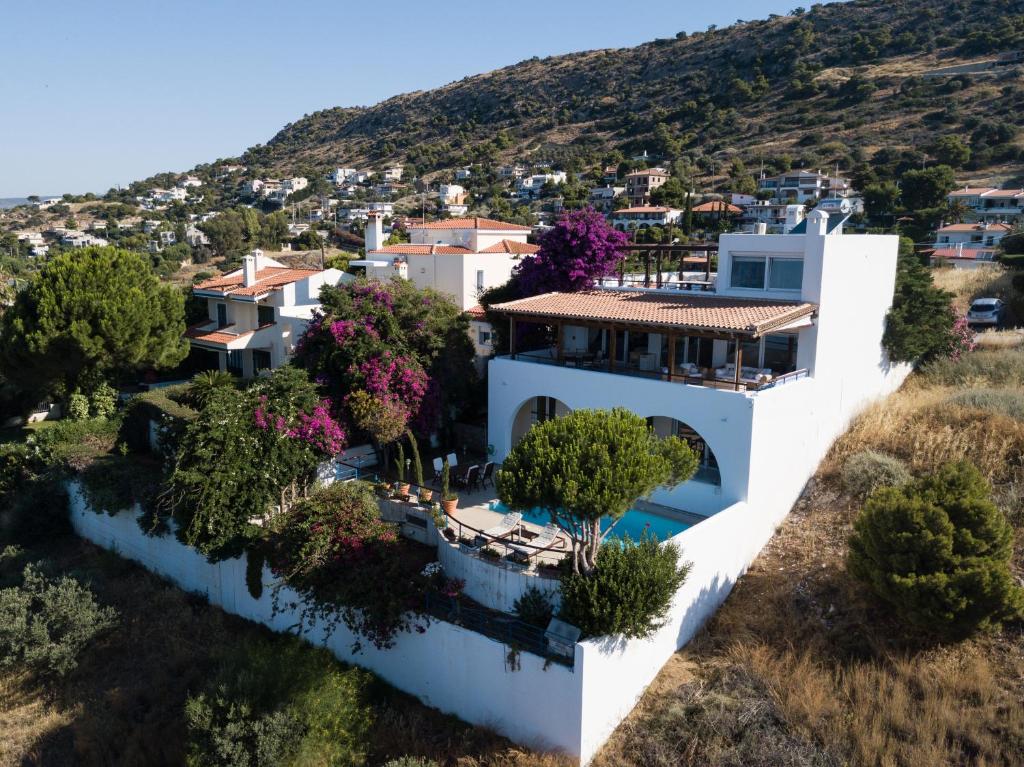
(580, 249)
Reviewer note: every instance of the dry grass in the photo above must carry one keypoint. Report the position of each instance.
(800, 669)
(1000, 339)
(967, 284)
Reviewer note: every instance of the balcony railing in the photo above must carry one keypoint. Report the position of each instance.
(706, 377)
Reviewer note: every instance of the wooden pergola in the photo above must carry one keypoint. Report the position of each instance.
(667, 254)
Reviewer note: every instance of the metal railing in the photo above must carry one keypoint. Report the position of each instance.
(507, 550)
(600, 364)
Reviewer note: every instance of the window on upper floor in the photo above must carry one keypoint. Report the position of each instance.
(264, 315)
(479, 279)
(767, 273)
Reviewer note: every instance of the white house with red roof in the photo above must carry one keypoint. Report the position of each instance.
(966, 246)
(458, 256)
(644, 217)
(257, 313)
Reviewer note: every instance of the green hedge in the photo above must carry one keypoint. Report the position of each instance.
(167, 405)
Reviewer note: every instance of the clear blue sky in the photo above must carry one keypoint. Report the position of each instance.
(94, 94)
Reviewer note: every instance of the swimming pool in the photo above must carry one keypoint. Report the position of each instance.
(634, 523)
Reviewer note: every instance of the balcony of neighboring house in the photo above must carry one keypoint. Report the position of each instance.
(708, 341)
(221, 335)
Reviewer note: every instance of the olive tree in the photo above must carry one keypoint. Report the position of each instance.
(588, 465)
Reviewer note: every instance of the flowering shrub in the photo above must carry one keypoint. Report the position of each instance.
(961, 337)
(580, 249)
(389, 340)
(318, 429)
(334, 549)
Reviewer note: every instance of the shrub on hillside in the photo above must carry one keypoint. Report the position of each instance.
(920, 323)
(1009, 402)
(36, 513)
(629, 592)
(45, 623)
(411, 761)
(938, 551)
(280, 702)
(78, 406)
(867, 470)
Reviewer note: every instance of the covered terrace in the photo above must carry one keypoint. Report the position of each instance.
(707, 340)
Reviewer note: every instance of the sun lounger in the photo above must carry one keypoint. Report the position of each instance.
(505, 528)
(547, 540)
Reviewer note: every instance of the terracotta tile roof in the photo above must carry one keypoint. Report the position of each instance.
(475, 222)
(476, 312)
(964, 254)
(648, 172)
(270, 278)
(642, 209)
(717, 206)
(409, 249)
(217, 336)
(999, 193)
(660, 309)
(511, 246)
(969, 191)
(976, 228)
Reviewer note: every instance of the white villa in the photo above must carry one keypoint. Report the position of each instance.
(802, 186)
(760, 375)
(258, 312)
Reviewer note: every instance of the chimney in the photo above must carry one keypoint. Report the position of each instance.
(249, 270)
(374, 231)
(817, 222)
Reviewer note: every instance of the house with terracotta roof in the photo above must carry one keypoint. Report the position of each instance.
(758, 375)
(644, 217)
(257, 313)
(967, 246)
(640, 184)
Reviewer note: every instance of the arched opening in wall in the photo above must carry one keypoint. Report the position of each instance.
(707, 466)
(534, 411)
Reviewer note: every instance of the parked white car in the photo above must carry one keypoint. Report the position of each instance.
(986, 311)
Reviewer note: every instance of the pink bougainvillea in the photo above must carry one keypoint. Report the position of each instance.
(961, 337)
(318, 429)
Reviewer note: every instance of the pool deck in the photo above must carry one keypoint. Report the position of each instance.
(474, 512)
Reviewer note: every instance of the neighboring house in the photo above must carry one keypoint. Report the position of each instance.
(514, 172)
(195, 237)
(644, 217)
(529, 187)
(458, 256)
(640, 184)
(462, 174)
(759, 376)
(340, 175)
(802, 186)
(455, 209)
(602, 198)
(387, 188)
(482, 335)
(384, 208)
(987, 204)
(75, 239)
(257, 313)
(393, 173)
(777, 218)
(190, 181)
(451, 193)
(716, 209)
(980, 235)
(610, 174)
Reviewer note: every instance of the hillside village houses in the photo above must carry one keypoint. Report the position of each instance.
(602, 198)
(257, 313)
(393, 173)
(529, 187)
(987, 204)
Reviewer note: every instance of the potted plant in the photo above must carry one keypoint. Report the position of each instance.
(425, 493)
(401, 486)
(449, 500)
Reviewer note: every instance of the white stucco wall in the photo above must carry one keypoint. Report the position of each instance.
(447, 667)
(495, 584)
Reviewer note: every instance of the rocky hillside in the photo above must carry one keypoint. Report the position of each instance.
(840, 83)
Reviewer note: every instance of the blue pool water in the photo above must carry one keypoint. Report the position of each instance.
(634, 523)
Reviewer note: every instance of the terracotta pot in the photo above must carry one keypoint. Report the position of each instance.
(426, 495)
(450, 506)
(403, 489)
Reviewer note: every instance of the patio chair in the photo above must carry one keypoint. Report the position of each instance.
(487, 475)
(438, 468)
(469, 478)
(504, 528)
(547, 540)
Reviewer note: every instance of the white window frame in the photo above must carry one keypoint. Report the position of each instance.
(768, 258)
